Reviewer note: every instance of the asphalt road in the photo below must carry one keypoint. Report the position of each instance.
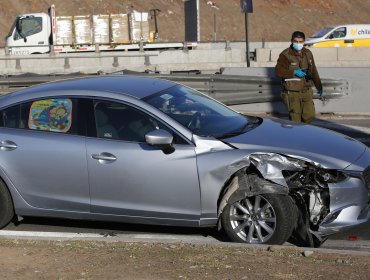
(357, 238)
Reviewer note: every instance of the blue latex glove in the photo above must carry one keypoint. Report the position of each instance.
(299, 73)
(320, 92)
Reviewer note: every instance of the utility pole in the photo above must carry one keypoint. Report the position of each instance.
(247, 7)
(214, 7)
(154, 13)
(247, 40)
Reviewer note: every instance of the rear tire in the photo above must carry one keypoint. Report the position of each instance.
(6, 206)
(261, 219)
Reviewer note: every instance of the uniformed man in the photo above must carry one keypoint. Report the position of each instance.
(298, 71)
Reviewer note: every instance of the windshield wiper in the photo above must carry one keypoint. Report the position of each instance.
(247, 126)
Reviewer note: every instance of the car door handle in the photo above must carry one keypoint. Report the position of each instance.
(104, 157)
(7, 145)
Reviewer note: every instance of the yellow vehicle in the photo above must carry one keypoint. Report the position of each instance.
(351, 35)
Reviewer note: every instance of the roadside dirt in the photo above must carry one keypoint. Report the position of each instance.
(21, 259)
(271, 20)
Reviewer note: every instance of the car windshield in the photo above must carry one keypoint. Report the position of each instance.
(322, 32)
(199, 113)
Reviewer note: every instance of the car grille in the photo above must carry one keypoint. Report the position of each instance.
(366, 175)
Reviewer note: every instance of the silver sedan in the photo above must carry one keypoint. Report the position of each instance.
(143, 150)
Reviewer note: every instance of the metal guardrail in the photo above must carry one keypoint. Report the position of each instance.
(13, 83)
(230, 90)
(234, 90)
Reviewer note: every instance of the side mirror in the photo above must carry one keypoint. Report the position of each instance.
(160, 138)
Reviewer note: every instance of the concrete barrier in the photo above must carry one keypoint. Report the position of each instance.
(208, 58)
(268, 55)
(323, 56)
(357, 54)
(164, 61)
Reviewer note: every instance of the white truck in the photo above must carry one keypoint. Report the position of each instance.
(39, 33)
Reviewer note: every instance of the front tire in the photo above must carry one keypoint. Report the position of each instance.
(6, 206)
(261, 219)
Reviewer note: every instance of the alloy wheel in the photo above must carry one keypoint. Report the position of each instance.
(253, 219)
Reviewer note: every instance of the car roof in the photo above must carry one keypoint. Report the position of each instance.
(134, 86)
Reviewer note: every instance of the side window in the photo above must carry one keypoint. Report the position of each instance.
(51, 115)
(28, 26)
(118, 121)
(54, 115)
(338, 33)
(11, 117)
(15, 116)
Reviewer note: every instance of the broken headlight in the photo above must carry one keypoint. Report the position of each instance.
(331, 176)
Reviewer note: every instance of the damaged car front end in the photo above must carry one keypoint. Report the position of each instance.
(332, 200)
(325, 201)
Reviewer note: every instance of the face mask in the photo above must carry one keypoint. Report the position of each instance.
(297, 47)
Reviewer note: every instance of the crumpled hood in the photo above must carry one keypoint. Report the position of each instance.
(328, 148)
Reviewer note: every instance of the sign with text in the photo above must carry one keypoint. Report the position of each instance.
(191, 20)
(247, 6)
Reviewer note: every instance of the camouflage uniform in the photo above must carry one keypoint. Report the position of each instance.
(297, 92)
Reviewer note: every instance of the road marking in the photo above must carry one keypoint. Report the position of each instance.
(14, 233)
(103, 235)
(159, 236)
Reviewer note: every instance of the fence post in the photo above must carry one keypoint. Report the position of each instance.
(97, 49)
(52, 51)
(141, 45)
(18, 64)
(66, 63)
(115, 62)
(147, 60)
(227, 46)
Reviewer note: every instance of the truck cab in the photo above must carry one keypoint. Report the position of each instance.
(29, 34)
(351, 35)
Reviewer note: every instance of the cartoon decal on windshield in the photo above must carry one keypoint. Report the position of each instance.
(51, 115)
